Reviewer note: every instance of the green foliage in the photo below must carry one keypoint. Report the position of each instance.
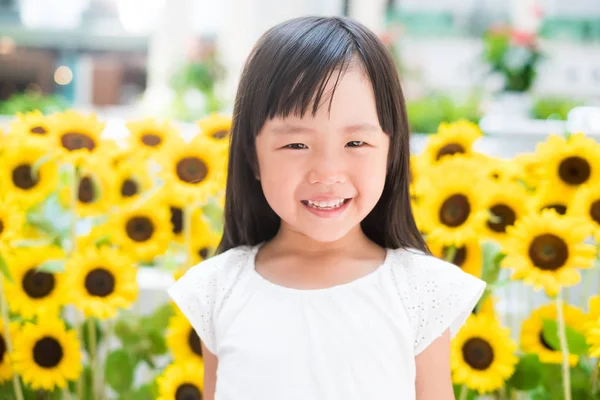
(576, 342)
(426, 114)
(26, 102)
(528, 373)
(553, 107)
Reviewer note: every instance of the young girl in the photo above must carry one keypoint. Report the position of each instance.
(323, 287)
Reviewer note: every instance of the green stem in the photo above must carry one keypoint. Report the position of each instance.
(562, 336)
(187, 232)
(92, 342)
(464, 392)
(595, 370)
(450, 253)
(80, 324)
(6, 320)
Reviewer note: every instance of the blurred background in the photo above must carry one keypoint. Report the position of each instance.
(537, 60)
(517, 71)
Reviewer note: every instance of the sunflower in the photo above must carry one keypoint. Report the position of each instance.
(151, 135)
(488, 306)
(466, 256)
(451, 202)
(506, 203)
(182, 381)
(549, 198)
(102, 281)
(532, 336)
(95, 193)
(182, 339)
(143, 231)
(6, 371)
(193, 172)
(215, 127)
(204, 240)
(593, 327)
(176, 209)
(586, 205)
(35, 292)
(131, 180)
(30, 126)
(545, 251)
(28, 172)
(532, 170)
(483, 354)
(46, 354)
(77, 134)
(569, 163)
(501, 171)
(12, 219)
(452, 138)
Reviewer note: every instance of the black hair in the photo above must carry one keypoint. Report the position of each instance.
(286, 74)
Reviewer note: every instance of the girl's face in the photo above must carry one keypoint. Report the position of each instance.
(322, 175)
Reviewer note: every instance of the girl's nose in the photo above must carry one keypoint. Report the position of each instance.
(327, 170)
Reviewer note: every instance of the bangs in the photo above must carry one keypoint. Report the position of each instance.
(305, 69)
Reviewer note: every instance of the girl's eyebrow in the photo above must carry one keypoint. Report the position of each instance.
(364, 127)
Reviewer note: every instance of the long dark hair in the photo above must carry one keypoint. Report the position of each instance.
(287, 73)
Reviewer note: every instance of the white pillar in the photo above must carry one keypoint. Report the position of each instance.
(525, 15)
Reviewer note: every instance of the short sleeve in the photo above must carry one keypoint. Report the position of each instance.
(437, 295)
(194, 296)
(202, 292)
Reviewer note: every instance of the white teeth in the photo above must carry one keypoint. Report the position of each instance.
(326, 205)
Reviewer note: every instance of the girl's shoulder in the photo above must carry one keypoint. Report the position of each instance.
(204, 288)
(436, 294)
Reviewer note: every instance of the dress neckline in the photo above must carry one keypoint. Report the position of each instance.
(326, 290)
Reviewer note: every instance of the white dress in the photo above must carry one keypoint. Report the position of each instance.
(352, 341)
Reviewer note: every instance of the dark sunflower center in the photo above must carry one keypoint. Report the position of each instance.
(450, 149)
(478, 353)
(86, 192)
(177, 220)
(100, 282)
(560, 209)
(37, 284)
(595, 211)
(220, 134)
(194, 342)
(191, 170)
(503, 216)
(150, 139)
(187, 391)
(574, 170)
(548, 252)
(23, 178)
(38, 130)
(459, 258)
(2, 349)
(455, 210)
(75, 141)
(129, 188)
(495, 175)
(47, 352)
(139, 229)
(546, 345)
(1, 226)
(203, 253)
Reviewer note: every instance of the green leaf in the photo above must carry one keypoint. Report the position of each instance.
(458, 390)
(86, 376)
(4, 270)
(528, 373)
(491, 258)
(159, 320)
(52, 266)
(214, 215)
(86, 333)
(35, 168)
(127, 331)
(575, 341)
(119, 370)
(158, 344)
(144, 392)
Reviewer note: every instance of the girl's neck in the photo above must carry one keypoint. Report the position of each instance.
(291, 241)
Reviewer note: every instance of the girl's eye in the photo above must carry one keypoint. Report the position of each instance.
(296, 146)
(355, 143)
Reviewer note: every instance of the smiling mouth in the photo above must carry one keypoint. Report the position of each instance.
(325, 205)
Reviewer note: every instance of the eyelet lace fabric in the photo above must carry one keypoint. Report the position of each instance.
(437, 295)
(205, 288)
